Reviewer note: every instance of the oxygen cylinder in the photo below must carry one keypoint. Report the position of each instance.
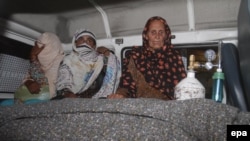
(189, 88)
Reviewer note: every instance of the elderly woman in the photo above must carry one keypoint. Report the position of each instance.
(88, 72)
(153, 70)
(45, 58)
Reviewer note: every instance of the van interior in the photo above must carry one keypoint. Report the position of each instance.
(217, 29)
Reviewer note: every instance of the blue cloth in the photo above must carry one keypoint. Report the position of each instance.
(10, 102)
(7, 102)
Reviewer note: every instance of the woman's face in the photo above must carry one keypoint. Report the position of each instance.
(85, 39)
(156, 35)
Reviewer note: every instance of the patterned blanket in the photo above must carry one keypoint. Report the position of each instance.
(119, 119)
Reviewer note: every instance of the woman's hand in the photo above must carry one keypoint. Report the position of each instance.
(103, 50)
(38, 47)
(115, 96)
(32, 86)
(69, 95)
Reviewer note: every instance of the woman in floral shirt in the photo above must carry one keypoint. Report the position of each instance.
(153, 70)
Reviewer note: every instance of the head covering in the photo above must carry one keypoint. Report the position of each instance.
(84, 48)
(162, 69)
(83, 32)
(52, 49)
(50, 57)
(167, 42)
(81, 67)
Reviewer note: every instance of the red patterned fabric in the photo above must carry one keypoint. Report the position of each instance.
(162, 69)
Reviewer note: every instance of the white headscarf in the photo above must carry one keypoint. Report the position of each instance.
(50, 58)
(81, 67)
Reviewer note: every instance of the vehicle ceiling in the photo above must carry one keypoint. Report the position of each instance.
(125, 17)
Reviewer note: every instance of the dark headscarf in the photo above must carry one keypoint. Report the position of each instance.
(162, 69)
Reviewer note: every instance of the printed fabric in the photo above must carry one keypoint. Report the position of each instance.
(162, 69)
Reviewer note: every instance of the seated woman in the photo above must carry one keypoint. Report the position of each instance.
(45, 58)
(88, 72)
(153, 70)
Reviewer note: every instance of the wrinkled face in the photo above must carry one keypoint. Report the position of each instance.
(156, 35)
(85, 39)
